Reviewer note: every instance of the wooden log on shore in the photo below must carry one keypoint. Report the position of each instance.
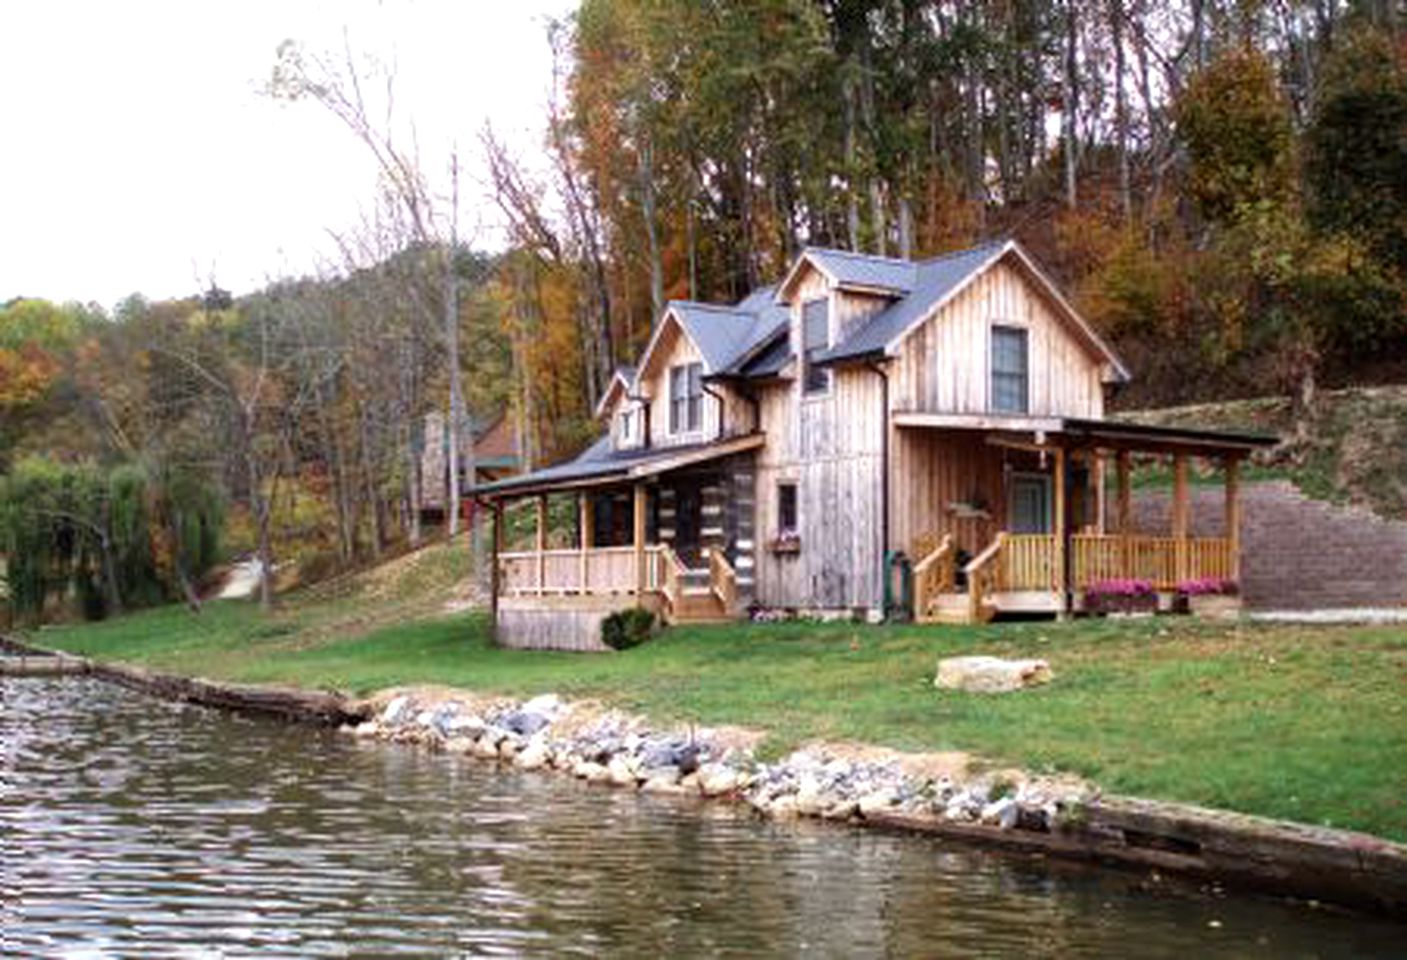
(303, 706)
(1274, 856)
(24, 665)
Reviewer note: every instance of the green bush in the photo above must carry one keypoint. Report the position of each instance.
(627, 628)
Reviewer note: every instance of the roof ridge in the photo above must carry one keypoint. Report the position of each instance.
(721, 307)
(998, 242)
(857, 255)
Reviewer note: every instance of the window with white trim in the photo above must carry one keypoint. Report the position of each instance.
(685, 397)
(1011, 381)
(815, 338)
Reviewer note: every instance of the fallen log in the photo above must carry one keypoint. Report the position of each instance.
(302, 706)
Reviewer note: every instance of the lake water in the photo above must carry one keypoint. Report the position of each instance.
(133, 827)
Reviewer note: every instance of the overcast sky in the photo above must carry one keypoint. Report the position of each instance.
(137, 152)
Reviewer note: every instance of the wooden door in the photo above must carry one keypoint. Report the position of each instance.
(1029, 503)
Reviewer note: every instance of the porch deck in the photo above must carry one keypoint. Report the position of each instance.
(604, 579)
(1023, 572)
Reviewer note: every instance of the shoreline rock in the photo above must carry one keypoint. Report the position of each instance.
(818, 782)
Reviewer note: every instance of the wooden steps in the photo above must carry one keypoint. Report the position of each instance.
(701, 606)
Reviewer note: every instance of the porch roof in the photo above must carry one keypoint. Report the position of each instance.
(600, 465)
(1085, 432)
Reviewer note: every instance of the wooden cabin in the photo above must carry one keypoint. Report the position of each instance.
(785, 451)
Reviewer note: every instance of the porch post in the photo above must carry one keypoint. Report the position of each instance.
(1125, 467)
(584, 526)
(1125, 513)
(1233, 516)
(541, 543)
(640, 578)
(495, 575)
(1062, 572)
(1096, 461)
(1180, 514)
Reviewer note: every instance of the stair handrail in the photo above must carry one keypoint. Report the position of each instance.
(935, 574)
(722, 580)
(672, 569)
(982, 575)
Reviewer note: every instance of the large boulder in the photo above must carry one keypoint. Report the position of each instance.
(990, 674)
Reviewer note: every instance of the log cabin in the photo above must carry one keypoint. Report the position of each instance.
(865, 415)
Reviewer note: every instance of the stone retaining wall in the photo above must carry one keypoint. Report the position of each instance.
(1297, 553)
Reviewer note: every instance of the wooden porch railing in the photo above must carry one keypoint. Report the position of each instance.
(602, 570)
(1163, 561)
(1028, 562)
(935, 574)
(668, 577)
(982, 578)
(722, 580)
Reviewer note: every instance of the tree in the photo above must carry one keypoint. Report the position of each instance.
(1356, 144)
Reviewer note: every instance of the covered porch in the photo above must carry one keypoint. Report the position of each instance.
(1024, 520)
(655, 529)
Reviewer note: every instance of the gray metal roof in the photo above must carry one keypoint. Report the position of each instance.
(863, 270)
(934, 280)
(720, 333)
(597, 460)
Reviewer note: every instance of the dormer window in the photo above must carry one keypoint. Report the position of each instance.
(815, 338)
(629, 419)
(686, 397)
(1010, 389)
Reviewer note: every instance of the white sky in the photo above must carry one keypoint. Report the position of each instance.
(137, 152)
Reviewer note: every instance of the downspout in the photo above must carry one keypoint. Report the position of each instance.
(883, 466)
(708, 389)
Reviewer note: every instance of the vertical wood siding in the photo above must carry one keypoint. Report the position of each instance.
(829, 445)
(945, 365)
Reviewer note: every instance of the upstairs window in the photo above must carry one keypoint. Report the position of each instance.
(815, 337)
(1010, 370)
(686, 398)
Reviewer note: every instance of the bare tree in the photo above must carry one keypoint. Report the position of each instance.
(339, 87)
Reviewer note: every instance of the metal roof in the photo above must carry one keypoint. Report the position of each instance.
(935, 280)
(600, 462)
(863, 270)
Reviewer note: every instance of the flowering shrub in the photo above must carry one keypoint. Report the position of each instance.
(1207, 586)
(1121, 596)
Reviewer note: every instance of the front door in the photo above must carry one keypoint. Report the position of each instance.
(1028, 507)
(688, 510)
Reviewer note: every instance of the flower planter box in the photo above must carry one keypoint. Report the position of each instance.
(1214, 606)
(785, 545)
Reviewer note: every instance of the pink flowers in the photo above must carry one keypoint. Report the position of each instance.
(1207, 586)
(1122, 588)
(1126, 595)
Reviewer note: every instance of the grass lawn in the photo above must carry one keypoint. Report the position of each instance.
(1305, 724)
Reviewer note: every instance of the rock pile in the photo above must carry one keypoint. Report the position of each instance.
(613, 748)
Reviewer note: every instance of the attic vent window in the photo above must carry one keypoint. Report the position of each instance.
(686, 397)
(1010, 370)
(816, 337)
